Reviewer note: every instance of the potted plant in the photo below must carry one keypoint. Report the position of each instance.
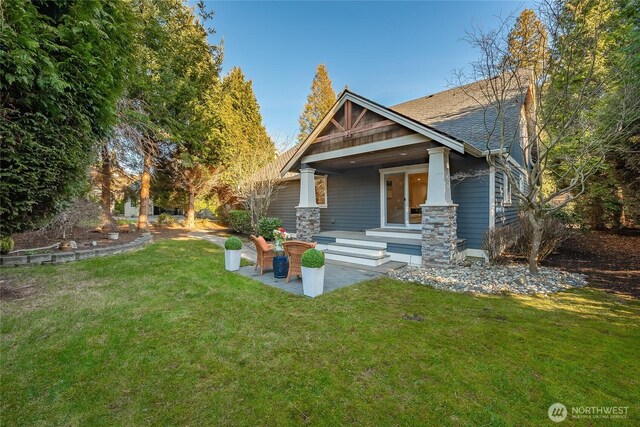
(312, 272)
(232, 247)
(280, 261)
(113, 235)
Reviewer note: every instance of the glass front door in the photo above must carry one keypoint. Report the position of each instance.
(404, 193)
(395, 199)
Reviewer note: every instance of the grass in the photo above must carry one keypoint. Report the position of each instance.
(167, 336)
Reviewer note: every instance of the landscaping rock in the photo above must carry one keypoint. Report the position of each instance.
(15, 260)
(85, 254)
(491, 279)
(73, 244)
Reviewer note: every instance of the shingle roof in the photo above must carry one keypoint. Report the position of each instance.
(458, 112)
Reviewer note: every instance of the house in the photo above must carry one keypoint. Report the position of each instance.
(132, 199)
(412, 182)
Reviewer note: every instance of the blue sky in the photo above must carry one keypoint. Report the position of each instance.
(386, 51)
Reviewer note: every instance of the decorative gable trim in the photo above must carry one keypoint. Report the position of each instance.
(369, 105)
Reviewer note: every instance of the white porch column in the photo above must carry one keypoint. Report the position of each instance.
(439, 189)
(307, 188)
(439, 218)
(308, 211)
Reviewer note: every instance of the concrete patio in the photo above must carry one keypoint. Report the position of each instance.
(337, 274)
(335, 277)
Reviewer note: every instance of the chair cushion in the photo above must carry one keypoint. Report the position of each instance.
(263, 245)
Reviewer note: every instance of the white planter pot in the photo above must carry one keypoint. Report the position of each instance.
(113, 236)
(312, 281)
(232, 260)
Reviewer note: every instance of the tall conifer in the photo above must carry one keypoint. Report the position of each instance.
(319, 101)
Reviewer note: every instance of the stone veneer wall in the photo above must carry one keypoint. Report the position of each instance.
(439, 235)
(77, 255)
(307, 223)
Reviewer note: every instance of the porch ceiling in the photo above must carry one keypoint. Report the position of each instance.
(409, 154)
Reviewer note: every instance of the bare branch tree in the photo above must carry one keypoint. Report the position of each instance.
(554, 126)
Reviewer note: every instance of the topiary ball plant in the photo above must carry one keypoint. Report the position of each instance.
(312, 258)
(6, 245)
(233, 244)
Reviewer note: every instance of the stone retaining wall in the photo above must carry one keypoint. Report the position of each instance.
(76, 255)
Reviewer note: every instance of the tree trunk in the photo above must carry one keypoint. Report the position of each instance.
(145, 184)
(191, 210)
(105, 196)
(536, 240)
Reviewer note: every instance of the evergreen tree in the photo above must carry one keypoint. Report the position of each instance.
(63, 67)
(527, 42)
(319, 101)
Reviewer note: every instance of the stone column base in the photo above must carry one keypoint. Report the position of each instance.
(439, 235)
(307, 223)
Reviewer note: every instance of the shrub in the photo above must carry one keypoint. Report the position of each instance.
(233, 244)
(266, 226)
(6, 245)
(312, 258)
(516, 239)
(240, 221)
(497, 241)
(554, 232)
(165, 219)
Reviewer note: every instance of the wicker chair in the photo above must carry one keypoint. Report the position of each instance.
(294, 250)
(265, 253)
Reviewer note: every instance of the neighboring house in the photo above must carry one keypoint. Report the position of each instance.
(373, 183)
(132, 200)
(131, 207)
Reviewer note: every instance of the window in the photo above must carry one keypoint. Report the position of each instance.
(321, 190)
(506, 184)
(134, 202)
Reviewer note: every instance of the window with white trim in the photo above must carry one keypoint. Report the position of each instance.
(321, 190)
(506, 189)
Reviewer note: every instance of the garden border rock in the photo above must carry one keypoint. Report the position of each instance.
(76, 255)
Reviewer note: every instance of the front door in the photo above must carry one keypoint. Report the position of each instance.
(404, 192)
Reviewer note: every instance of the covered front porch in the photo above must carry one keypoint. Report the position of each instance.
(405, 213)
(369, 170)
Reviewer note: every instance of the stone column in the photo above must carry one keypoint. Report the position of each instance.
(439, 221)
(439, 235)
(307, 212)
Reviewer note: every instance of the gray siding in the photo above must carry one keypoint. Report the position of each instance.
(472, 197)
(505, 214)
(284, 204)
(353, 202)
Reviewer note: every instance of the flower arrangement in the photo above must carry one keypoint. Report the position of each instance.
(279, 236)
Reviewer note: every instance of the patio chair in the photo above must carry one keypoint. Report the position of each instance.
(294, 250)
(265, 253)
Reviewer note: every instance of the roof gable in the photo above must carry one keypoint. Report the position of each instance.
(352, 110)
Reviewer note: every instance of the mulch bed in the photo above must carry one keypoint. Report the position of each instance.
(610, 260)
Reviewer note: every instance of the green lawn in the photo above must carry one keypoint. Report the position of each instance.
(166, 336)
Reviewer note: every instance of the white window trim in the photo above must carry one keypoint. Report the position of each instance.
(506, 190)
(326, 190)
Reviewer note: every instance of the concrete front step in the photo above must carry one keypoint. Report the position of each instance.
(361, 242)
(359, 248)
(396, 233)
(349, 257)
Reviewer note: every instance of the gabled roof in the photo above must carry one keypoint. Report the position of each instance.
(454, 118)
(458, 111)
(346, 95)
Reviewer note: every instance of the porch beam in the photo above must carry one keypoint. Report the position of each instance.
(366, 148)
(355, 130)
